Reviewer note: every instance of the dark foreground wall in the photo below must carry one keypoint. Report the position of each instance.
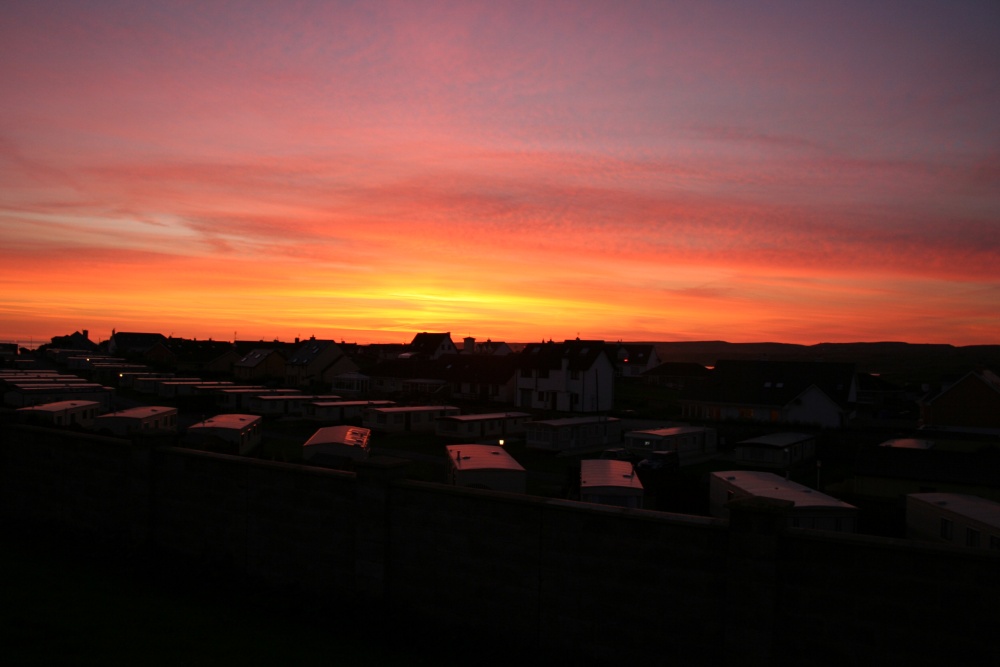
(498, 574)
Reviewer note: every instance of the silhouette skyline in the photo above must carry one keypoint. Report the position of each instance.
(644, 171)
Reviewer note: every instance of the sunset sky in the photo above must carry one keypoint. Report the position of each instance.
(794, 171)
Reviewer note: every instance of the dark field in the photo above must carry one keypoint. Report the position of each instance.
(62, 609)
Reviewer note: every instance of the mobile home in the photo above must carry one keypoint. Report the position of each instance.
(610, 482)
(574, 433)
(341, 411)
(692, 444)
(407, 418)
(953, 518)
(337, 446)
(61, 413)
(227, 433)
(138, 421)
(808, 508)
(491, 426)
(777, 450)
(485, 467)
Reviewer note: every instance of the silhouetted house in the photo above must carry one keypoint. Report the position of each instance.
(337, 447)
(971, 403)
(803, 507)
(782, 451)
(486, 426)
(953, 518)
(143, 420)
(260, 365)
(376, 352)
(573, 433)
(790, 392)
(678, 375)
(572, 376)
(132, 344)
(485, 467)
(317, 362)
(204, 357)
(61, 413)
(431, 345)
(226, 434)
(692, 444)
(634, 359)
(8, 354)
(78, 340)
(245, 347)
(489, 348)
(480, 377)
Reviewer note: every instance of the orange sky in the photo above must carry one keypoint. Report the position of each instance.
(518, 171)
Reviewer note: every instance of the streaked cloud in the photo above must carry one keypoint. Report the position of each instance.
(642, 170)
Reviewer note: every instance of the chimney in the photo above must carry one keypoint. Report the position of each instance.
(469, 345)
(86, 334)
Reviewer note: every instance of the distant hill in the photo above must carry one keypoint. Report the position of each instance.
(899, 362)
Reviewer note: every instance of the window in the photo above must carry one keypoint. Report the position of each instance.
(972, 538)
(947, 528)
(994, 542)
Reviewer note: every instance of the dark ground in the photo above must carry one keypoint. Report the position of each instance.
(62, 608)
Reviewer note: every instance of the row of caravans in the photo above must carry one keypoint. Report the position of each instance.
(26, 388)
(228, 433)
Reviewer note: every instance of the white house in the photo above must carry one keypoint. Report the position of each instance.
(573, 376)
(485, 467)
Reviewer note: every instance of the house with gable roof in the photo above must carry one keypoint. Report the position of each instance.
(207, 357)
(78, 340)
(790, 392)
(490, 347)
(431, 345)
(132, 344)
(260, 364)
(971, 403)
(317, 362)
(572, 376)
(634, 359)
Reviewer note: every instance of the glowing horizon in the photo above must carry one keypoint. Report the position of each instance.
(523, 171)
